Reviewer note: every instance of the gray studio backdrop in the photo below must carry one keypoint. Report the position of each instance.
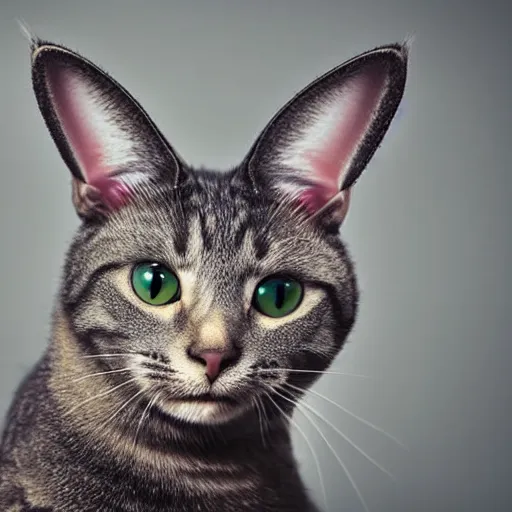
(429, 226)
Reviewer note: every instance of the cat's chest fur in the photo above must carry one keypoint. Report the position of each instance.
(101, 497)
(118, 500)
(85, 492)
(44, 468)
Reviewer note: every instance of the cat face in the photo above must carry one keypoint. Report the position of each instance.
(218, 261)
(206, 291)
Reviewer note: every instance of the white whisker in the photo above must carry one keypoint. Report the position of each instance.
(258, 405)
(151, 402)
(100, 395)
(116, 413)
(121, 370)
(323, 372)
(310, 447)
(326, 441)
(350, 413)
(348, 440)
(96, 356)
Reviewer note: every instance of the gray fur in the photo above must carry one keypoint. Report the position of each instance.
(81, 442)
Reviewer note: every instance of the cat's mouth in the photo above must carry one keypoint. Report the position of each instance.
(204, 408)
(210, 399)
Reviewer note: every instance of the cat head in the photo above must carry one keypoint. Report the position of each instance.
(206, 292)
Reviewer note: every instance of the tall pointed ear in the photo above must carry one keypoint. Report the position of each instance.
(317, 146)
(104, 136)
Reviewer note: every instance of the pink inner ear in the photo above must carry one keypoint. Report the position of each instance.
(314, 198)
(73, 102)
(329, 158)
(115, 193)
(70, 102)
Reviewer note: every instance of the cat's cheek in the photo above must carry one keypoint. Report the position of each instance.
(312, 298)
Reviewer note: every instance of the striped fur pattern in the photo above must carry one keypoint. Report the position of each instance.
(112, 417)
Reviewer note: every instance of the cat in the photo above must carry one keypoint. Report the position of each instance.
(195, 307)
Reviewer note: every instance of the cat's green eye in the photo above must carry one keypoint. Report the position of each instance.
(155, 284)
(278, 296)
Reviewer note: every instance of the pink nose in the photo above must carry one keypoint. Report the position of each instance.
(214, 360)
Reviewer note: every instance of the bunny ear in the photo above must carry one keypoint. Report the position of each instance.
(317, 146)
(105, 137)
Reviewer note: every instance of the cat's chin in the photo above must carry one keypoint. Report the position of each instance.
(203, 412)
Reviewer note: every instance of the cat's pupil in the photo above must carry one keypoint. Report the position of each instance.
(280, 295)
(156, 280)
(155, 284)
